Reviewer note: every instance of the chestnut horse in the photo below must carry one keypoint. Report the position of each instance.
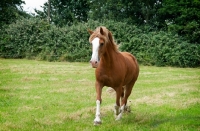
(115, 69)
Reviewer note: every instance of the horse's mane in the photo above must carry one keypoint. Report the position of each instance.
(106, 36)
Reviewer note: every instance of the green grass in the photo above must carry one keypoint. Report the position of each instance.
(38, 95)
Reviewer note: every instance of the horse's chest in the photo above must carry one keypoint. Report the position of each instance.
(112, 79)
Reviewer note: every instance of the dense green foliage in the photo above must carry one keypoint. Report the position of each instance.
(135, 11)
(157, 32)
(10, 10)
(65, 12)
(179, 16)
(161, 49)
(36, 39)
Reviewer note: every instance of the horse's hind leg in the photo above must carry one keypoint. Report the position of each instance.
(119, 94)
(128, 90)
(122, 94)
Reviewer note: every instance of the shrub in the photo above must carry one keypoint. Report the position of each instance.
(23, 38)
(36, 39)
(163, 49)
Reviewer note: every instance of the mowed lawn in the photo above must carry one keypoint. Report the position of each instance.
(38, 95)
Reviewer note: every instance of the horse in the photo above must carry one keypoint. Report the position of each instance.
(115, 69)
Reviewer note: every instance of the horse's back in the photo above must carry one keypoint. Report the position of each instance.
(132, 66)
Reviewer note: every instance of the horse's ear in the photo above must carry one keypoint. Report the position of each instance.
(110, 36)
(90, 32)
(101, 31)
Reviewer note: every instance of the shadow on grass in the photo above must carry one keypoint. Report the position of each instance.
(4, 90)
(155, 121)
(178, 120)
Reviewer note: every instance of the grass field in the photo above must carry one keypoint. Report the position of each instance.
(38, 95)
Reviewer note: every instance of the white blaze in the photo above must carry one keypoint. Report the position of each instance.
(95, 49)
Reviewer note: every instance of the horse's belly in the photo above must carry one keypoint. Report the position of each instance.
(132, 68)
(112, 81)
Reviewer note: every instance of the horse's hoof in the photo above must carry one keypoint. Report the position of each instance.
(127, 109)
(117, 119)
(96, 123)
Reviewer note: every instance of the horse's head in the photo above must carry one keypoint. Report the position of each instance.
(100, 39)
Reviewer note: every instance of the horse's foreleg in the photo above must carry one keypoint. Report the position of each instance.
(97, 120)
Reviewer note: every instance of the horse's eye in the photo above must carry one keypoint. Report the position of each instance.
(101, 44)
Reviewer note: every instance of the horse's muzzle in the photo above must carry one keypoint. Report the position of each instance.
(94, 63)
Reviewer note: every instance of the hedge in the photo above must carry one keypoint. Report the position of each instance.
(34, 38)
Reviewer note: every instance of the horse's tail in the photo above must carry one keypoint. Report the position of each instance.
(111, 91)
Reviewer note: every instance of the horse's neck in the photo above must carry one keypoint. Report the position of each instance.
(109, 58)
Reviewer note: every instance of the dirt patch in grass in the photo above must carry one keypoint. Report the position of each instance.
(31, 97)
(28, 79)
(177, 97)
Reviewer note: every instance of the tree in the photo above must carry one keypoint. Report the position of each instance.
(65, 12)
(181, 16)
(10, 10)
(135, 11)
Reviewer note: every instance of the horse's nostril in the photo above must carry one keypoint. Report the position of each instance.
(95, 62)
